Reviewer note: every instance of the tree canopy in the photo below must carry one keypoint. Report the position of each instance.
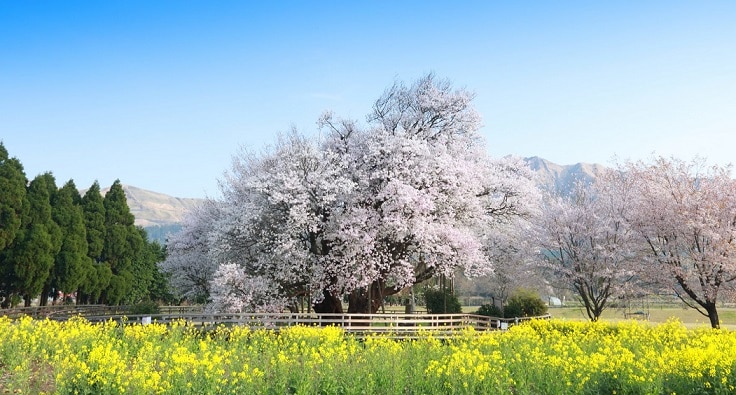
(364, 211)
(55, 242)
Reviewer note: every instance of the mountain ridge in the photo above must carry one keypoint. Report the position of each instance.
(154, 208)
(562, 178)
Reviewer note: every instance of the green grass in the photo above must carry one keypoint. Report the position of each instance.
(657, 314)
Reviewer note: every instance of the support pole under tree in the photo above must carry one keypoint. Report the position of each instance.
(443, 280)
(370, 299)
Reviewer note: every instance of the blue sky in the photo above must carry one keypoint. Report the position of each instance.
(160, 94)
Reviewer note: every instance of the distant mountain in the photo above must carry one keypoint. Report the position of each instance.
(562, 177)
(155, 209)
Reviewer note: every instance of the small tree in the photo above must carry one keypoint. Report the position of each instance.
(490, 310)
(188, 265)
(524, 303)
(442, 301)
(587, 246)
(685, 213)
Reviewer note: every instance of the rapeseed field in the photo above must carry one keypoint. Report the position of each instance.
(539, 357)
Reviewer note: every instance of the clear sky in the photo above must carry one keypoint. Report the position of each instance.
(160, 94)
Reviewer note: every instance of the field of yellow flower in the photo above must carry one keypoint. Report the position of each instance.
(541, 357)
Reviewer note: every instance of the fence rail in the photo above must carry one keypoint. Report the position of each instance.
(396, 325)
(65, 311)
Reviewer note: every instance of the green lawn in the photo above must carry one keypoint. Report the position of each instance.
(657, 314)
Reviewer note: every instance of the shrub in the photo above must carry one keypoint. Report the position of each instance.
(524, 303)
(437, 301)
(490, 310)
(147, 307)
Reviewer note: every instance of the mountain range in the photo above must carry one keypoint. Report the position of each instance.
(155, 211)
(561, 178)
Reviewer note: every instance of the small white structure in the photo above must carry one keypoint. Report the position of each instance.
(555, 301)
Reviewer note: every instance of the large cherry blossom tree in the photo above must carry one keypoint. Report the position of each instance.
(365, 211)
(426, 195)
(686, 214)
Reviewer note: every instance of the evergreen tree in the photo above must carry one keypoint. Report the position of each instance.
(119, 289)
(94, 221)
(56, 233)
(160, 289)
(97, 273)
(12, 197)
(12, 191)
(144, 268)
(122, 244)
(72, 260)
(37, 243)
(97, 280)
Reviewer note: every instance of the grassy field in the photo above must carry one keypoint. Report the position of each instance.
(657, 314)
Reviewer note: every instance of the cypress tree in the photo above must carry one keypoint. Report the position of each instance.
(122, 243)
(120, 230)
(12, 191)
(144, 268)
(37, 242)
(160, 289)
(94, 221)
(97, 273)
(12, 197)
(55, 233)
(70, 263)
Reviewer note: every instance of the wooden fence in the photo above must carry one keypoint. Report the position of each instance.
(64, 311)
(395, 325)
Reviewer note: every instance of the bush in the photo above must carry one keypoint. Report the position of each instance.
(147, 307)
(490, 310)
(437, 300)
(524, 303)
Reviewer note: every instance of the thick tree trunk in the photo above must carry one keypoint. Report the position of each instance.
(330, 304)
(366, 301)
(358, 300)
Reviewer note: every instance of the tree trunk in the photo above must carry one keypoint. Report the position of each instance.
(358, 300)
(330, 304)
(712, 311)
(81, 298)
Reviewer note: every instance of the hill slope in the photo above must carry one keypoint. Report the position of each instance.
(561, 178)
(156, 209)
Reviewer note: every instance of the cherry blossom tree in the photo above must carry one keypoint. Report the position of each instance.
(686, 214)
(514, 256)
(188, 262)
(426, 195)
(365, 211)
(235, 291)
(586, 244)
(278, 207)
